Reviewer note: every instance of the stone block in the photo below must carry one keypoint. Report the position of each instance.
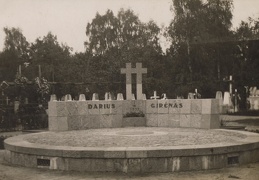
(117, 109)
(93, 108)
(74, 123)
(206, 106)
(163, 107)
(53, 123)
(96, 165)
(157, 165)
(215, 121)
(94, 121)
(152, 120)
(135, 153)
(151, 106)
(195, 120)
(61, 108)
(140, 106)
(117, 121)
(162, 120)
(77, 165)
(174, 106)
(215, 106)
(174, 164)
(185, 120)
(134, 166)
(195, 163)
(52, 108)
(86, 122)
(72, 108)
(17, 159)
(126, 106)
(105, 107)
(205, 121)
(133, 121)
(62, 123)
(184, 164)
(82, 108)
(211, 106)
(159, 153)
(196, 106)
(115, 152)
(106, 121)
(174, 120)
(217, 161)
(186, 106)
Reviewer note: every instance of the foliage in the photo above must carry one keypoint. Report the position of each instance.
(134, 114)
(43, 87)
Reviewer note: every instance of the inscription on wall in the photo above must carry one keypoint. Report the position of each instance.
(166, 105)
(101, 106)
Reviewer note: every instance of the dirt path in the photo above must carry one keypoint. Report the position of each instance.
(8, 172)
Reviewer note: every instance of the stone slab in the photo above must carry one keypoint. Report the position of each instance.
(151, 106)
(163, 106)
(175, 106)
(152, 120)
(174, 120)
(186, 106)
(106, 121)
(196, 106)
(185, 120)
(195, 120)
(162, 120)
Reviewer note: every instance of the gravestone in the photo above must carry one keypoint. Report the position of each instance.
(53, 97)
(68, 97)
(219, 95)
(108, 96)
(155, 96)
(129, 71)
(120, 96)
(95, 97)
(82, 97)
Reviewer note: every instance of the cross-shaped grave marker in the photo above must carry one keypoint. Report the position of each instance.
(129, 71)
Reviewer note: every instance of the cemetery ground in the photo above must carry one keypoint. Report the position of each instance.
(248, 171)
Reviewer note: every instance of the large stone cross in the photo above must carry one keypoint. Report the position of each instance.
(129, 71)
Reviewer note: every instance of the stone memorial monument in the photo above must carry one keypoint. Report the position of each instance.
(129, 71)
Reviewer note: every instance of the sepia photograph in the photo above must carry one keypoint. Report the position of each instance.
(129, 89)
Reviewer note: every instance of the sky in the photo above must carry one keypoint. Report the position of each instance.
(68, 18)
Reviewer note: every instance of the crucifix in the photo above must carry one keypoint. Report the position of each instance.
(129, 71)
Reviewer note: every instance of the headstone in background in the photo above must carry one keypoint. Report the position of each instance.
(219, 95)
(108, 96)
(144, 97)
(120, 96)
(155, 96)
(95, 97)
(226, 100)
(163, 97)
(68, 97)
(254, 91)
(256, 105)
(53, 97)
(82, 97)
(133, 97)
(16, 106)
(190, 96)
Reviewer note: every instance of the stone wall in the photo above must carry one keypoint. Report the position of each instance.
(77, 115)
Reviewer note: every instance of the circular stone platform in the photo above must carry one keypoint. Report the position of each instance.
(134, 149)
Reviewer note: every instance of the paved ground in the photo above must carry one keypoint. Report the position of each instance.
(245, 172)
(135, 137)
(8, 172)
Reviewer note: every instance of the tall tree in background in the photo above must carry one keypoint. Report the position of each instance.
(196, 24)
(114, 40)
(16, 52)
